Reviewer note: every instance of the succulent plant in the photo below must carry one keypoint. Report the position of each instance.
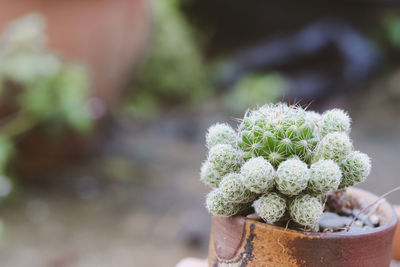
(221, 133)
(281, 152)
(292, 177)
(225, 158)
(325, 177)
(218, 205)
(209, 175)
(258, 175)
(335, 120)
(306, 210)
(233, 189)
(277, 132)
(335, 146)
(355, 167)
(271, 207)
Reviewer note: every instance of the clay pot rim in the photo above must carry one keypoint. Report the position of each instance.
(385, 208)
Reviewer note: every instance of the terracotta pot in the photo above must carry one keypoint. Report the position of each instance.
(240, 241)
(106, 35)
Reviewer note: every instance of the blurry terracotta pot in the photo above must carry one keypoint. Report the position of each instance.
(240, 241)
(107, 35)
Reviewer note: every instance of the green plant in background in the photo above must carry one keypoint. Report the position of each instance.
(37, 87)
(254, 89)
(284, 160)
(391, 25)
(173, 71)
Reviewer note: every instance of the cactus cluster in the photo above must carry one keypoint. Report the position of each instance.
(281, 160)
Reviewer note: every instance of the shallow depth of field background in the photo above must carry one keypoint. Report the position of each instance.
(120, 187)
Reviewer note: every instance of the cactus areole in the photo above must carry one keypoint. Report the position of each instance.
(278, 169)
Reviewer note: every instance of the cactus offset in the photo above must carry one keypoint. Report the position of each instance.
(292, 177)
(258, 175)
(271, 207)
(325, 177)
(218, 205)
(355, 167)
(233, 189)
(306, 210)
(221, 133)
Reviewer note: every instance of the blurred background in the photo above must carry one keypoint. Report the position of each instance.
(105, 104)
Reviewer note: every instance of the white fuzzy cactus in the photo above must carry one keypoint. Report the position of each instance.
(221, 133)
(355, 167)
(306, 210)
(233, 189)
(225, 158)
(258, 175)
(335, 146)
(335, 120)
(218, 205)
(270, 207)
(292, 177)
(311, 153)
(209, 175)
(325, 177)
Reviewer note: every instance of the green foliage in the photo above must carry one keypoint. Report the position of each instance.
(173, 70)
(392, 27)
(52, 90)
(43, 88)
(255, 89)
(6, 152)
(284, 151)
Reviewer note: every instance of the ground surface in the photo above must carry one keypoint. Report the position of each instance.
(140, 203)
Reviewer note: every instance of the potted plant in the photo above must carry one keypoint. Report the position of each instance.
(45, 101)
(282, 193)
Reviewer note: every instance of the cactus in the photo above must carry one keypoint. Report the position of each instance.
(325, 177)
(335, 146)
(278, 152)
(276, 132)
(258, 175)
(221, 133)
(218, 205)
(335, 120)
(233, 189)
(355, 167)
(225, 158)
(292, 177)
(209, 175)
(306, 210)
(271, 207)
